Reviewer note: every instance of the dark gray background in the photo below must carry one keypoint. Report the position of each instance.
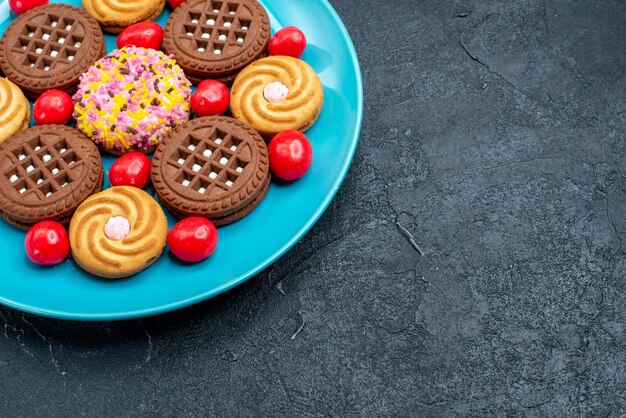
(494, 133)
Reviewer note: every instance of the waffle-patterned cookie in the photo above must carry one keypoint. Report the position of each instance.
(115, 15)
(14, 110)
(216, 39)
(118, 232)
(300, 107)
(213, 167)
(45, 173)
(49, 47)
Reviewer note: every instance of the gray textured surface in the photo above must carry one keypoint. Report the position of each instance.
(494, 133)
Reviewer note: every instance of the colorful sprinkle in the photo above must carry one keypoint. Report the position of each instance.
(131, 99)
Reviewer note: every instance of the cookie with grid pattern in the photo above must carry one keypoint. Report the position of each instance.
(213, 167)
(104, 256)
(217, 39)
(14, 110)
(115, 15)
(45, 173)
(50, 47)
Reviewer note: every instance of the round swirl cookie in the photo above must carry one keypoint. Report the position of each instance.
(216, 39)
(14, 110)
(276, 94)
(212, 167)
(49, 47)
(45, 173)
(118, 232)
(130, 99)
(115, 15)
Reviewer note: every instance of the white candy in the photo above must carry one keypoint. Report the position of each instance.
(206, 36)
(224, 161)
(48, 194)
(222, 37)
(30, 169)
(192, 147)
(216, 11)
(63, 150)
(201, 49)
(53, 54)
(232, 13)
(68, 28)
(181, 161)
(64, 184)
(55, 171)
(218, 141)
(217, 52)
(229, 183)
(70, 58)
(46, 158)
(207, 153)
(239, 40)
(39, 181)
(233, 148)
(72, 162)
(195, 22)
(201, 190)
(196, 168)
(77, 45)
(186, 183)
(14, 178)
(213, 175)
(61, 41)
(38, 51)
(228, 24)
(54, 24)
(210, 22)
(244, 28)
(189, 34)
(37, 148)
(22, 190)
(46, 68)
(45, 37)
(30, 35)
(32, 65)
(21, 157)
(240, 169)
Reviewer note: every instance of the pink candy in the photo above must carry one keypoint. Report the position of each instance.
(275, 92)
(117, 228)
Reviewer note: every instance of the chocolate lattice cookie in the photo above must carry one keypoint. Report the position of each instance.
(216, 39)
(49, 47)
(45, 173)
(214, 167)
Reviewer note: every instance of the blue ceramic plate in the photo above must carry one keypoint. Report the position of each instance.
(245, 247)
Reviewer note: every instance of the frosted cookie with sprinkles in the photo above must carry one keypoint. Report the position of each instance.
(45, 173)
(130, 99)
(49, 47)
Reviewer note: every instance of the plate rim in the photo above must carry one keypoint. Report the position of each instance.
(202, 297)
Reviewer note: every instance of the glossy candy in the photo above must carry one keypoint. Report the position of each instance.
(210, 99)
(291, 155)
(142, 34)
(193, 239)
(132, 169)
(47, 243)
(288, 41)
(21, 6)
(176, 3)
(54, 107)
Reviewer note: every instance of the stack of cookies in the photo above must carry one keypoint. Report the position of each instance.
(138, 99)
